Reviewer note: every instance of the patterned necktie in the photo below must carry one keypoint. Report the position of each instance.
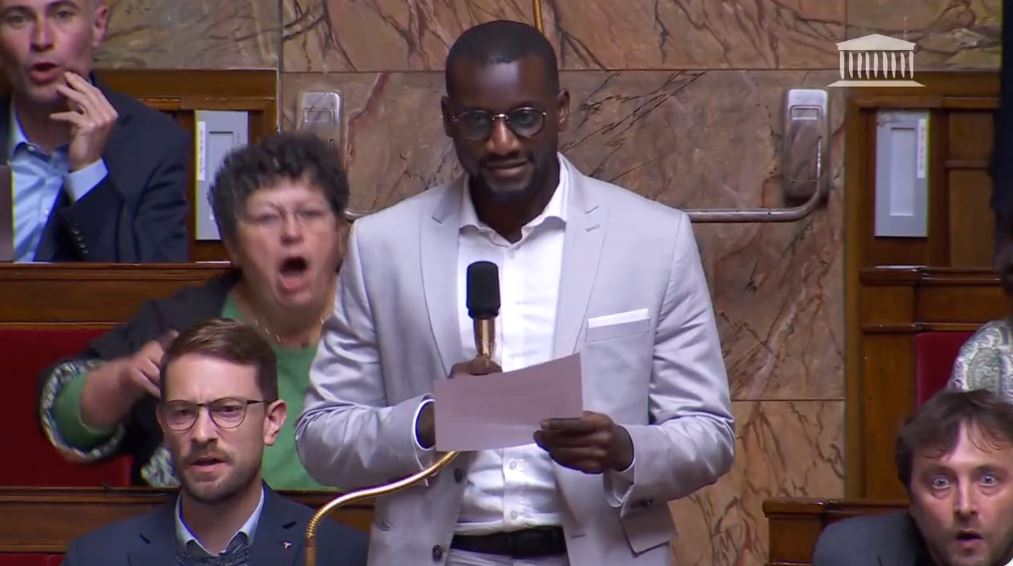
(237, 554)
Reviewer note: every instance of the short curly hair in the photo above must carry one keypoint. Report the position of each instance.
(288, 156)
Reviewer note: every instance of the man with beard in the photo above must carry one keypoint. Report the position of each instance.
(955, 457)
(585, 266)
(219, 407)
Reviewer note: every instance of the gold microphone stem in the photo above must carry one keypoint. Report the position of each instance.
(536, 6)
(485, 332)
(353, 496)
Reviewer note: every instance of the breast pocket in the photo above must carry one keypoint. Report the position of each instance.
(619, 325)
(616, 364)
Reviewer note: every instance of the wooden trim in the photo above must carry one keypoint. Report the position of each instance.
(855, 162)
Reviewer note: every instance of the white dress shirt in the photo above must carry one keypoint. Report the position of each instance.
(514, 488)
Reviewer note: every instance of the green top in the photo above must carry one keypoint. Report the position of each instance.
(281, 469)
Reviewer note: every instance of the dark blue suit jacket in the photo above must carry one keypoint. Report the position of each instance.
(138, 213)
(150, 540)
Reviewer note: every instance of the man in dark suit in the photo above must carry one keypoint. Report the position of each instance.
(219, 407)
(98, 176)
(955, 457)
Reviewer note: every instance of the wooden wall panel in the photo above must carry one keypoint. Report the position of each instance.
(952, 290)
(972, 225)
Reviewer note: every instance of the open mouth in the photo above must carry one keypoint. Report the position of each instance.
(206, 462)
(967, 538)
(44, 71)
(293, 273)
(294, 266)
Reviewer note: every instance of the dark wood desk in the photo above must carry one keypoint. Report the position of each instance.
(46, 520)
(95, 294)
(796, 524)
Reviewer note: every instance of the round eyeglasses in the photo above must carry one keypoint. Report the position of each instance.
(227, 413)
(477, 125)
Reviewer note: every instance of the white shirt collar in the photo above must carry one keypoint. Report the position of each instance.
(184, 536)
(556, 207)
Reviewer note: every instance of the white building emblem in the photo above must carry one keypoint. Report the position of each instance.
(876, 60)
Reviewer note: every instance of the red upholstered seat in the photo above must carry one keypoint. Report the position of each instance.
(935, 353)
(31, 559)
(29, 458)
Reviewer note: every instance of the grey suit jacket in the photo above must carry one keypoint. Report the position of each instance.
(884, 540)
(150, 540)
(395, 331)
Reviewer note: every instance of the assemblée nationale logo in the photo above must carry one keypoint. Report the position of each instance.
(876, 61)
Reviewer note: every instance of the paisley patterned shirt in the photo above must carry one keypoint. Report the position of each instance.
(986, 360)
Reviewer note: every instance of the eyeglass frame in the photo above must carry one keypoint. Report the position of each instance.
(245, 403)
(282, 215)
(505, 116)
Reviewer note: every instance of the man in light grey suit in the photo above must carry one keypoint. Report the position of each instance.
(955, 457)
(585, 267)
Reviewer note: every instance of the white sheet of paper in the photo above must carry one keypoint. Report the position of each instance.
(505, 409)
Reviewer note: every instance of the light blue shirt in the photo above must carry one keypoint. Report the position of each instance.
(186, 537)
(38, 179)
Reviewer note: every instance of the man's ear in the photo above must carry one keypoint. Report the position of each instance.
(448, 126)
(344, 229)
(160, 417)
(100, 24)
(563, 108)
(277, 412)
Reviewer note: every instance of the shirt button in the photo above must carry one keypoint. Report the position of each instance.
(437, 552)
(513, 465)
(513, 514)
(458, 475)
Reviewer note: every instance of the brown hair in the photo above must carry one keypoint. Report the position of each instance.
(229, 340)
(936, 425)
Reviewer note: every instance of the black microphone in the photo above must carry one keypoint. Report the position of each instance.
(483, 304)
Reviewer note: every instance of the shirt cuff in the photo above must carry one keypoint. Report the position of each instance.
(79, 183)
(423, 455)
(619, 485)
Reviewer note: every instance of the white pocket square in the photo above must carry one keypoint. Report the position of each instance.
(618, 318)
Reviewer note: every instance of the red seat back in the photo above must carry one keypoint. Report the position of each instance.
(27, 351)
(935, 353)
(31, 559)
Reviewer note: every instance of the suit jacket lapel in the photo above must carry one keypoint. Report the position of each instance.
(439, 243)
(585, 232)
(158, 532)
(279, 537)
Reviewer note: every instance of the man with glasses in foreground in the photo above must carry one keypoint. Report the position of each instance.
(585, 266)
(219, 407)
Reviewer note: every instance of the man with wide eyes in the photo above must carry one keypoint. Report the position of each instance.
(955, 457)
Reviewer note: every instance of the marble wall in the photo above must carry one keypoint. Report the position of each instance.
(679, 100)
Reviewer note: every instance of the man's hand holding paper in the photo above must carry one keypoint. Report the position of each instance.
(505, 409)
